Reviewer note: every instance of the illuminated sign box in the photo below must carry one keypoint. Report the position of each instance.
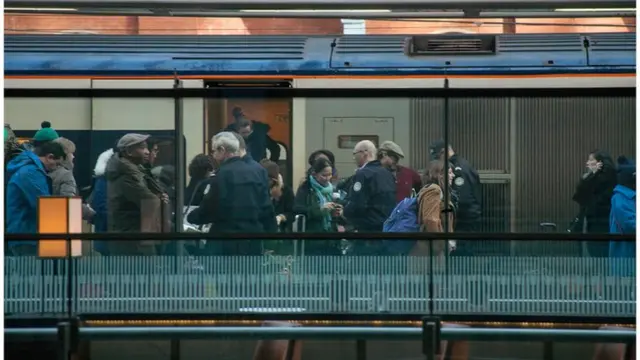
(59, 215)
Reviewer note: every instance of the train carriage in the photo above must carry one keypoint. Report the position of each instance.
(507, 139)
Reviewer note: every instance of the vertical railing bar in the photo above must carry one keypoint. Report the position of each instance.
(175, 350)
(361, 349)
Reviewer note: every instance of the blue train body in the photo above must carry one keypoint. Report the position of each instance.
(119, 55)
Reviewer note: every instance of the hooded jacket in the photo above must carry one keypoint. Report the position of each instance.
(28, 181)
(64, 184)
(623, 221)
(129, 198)
(98, 198)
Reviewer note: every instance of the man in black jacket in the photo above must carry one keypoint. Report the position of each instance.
(372, 194)
(238, 201)
(256, 137)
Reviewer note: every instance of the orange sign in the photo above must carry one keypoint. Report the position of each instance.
(59, 215)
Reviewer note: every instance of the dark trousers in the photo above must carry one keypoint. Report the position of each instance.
(467, 247)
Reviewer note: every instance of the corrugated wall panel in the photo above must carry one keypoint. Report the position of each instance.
(478, 130)
(554, 138)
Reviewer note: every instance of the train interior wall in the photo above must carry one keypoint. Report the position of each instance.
(530, 152)
(337, 124)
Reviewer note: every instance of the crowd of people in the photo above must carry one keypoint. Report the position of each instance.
(235, 189)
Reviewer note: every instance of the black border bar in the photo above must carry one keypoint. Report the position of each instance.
(272, 92)
(328, 236)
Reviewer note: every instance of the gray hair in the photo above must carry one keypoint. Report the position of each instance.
(367, 146)
(68, 145)
(228, 141)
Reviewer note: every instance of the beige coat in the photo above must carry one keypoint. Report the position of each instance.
(431, 217)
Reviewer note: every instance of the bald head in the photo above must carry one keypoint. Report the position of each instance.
(364, 152)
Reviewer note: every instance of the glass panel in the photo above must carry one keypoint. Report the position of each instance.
(303, 282)
(528, 155)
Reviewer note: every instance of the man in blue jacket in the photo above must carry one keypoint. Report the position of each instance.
(28, 181)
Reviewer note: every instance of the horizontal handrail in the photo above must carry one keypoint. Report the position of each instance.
(328, 236)
(326, 333)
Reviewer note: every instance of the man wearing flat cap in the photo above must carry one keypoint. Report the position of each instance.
(407, 179)
(132, 205)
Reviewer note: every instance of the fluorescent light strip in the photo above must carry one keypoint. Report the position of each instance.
(595, 10)
(322, 11)
(39, 9)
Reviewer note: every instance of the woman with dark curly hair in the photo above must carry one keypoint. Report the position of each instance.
(281, 195)
(201, 169)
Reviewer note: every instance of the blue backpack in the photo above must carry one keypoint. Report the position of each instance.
(403, 218)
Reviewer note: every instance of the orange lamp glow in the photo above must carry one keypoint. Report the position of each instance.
(59, 215)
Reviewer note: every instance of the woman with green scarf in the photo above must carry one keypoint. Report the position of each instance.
(314, 200)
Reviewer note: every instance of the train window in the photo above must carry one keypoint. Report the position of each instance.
(350, 141)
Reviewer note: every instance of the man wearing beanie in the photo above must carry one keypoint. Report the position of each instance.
(623, 216)
(45, 134)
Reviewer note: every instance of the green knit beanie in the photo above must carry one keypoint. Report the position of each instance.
(46, 133)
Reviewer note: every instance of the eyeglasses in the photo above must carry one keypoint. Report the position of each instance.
(358, 152)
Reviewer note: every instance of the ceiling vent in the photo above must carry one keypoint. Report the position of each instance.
(449, 44)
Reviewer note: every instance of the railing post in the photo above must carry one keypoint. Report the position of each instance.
(431, 327)
(68, 338)
(361, 349)
(175, 349)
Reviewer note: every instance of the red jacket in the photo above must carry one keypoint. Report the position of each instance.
(407, 179)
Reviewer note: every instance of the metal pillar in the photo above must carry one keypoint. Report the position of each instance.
(180, 164)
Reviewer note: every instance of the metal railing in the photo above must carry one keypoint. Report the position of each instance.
(322, 284)
(69, 334)
(325, 333)
(291, 281)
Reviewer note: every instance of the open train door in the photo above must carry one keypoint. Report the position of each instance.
(273, 114)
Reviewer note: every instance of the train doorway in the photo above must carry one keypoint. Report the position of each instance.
(272, 115)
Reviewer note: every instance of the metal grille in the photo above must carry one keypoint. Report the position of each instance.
(478, 130)
(481, 285)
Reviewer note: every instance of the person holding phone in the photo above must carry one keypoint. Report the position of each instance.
(593, 195)
(315, 200)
